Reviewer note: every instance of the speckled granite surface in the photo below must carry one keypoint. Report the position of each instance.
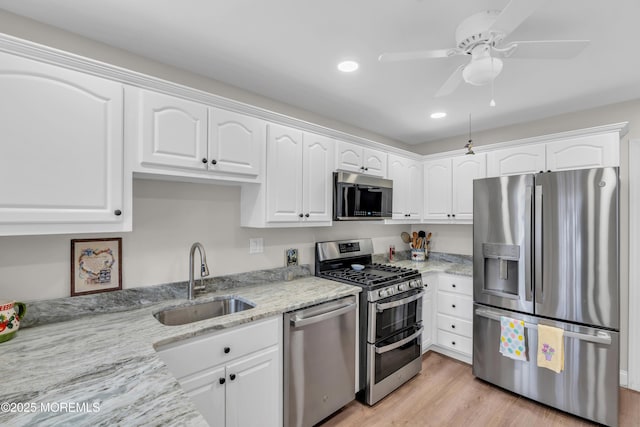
(436, 263)
(107, 361)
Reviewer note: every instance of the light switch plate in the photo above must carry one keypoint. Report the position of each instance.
(256, 246)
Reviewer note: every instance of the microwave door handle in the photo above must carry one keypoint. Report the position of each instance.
(386, 305)
(388, 348)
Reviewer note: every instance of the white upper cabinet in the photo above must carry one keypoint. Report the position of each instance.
(355, 158)
(235, 142)
(299, 188)
(516, 161)
(448, 195)
(465, 170)
(585, 151)
(592, 151)
(174, 136)
(61, 156)
(407, 187)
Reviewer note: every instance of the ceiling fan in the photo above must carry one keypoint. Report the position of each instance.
(481, 36)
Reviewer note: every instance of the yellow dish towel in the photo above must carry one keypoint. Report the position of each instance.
(551, 348)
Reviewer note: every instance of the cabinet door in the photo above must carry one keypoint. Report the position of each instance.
(317, 169)
(465, 169)
(416, 191)
(284, 174)
(427, 320)
(349, 157)
(375, 162)
(173, 131)
(61, 156)
(236, 142)
(594, 151)
(517, 160)
(437, 189)
(399, 173)
(254, 390)
(207, 391)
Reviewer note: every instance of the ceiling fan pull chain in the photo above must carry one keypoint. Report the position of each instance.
(492, 103)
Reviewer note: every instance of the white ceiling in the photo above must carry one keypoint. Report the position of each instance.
(287, 50)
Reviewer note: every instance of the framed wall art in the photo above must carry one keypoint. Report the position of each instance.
(96, 265)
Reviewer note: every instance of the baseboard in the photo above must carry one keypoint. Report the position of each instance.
(624, 379)
(451, 353)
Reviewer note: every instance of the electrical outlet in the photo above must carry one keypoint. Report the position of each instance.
(256, 246)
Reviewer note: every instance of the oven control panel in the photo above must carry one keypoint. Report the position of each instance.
(395, 289)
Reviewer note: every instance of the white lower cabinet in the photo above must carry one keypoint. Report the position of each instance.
(430, 282)
(454, 316)
(233, 377)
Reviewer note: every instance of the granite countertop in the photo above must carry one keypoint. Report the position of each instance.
(103, 370)
(436, 263)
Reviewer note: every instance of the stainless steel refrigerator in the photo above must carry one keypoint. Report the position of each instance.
(546, 251)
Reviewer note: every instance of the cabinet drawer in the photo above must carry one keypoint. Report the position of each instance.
(455, 305)
(458, 284)
(455, 325)
(196, 354)
(454, 342)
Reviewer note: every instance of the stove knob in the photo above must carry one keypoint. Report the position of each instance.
(383, 293)
(403, 286)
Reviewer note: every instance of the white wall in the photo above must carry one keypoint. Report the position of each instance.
(167, 218)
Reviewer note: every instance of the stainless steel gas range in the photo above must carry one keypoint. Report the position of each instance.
(390, 314)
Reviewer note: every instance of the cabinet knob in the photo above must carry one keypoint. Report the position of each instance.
(362, 167)
(227, 350)
(448, 215)
(453, 343)
(366, 169)
(453, 215)
(117, 212)
(453, 305)
(221, 380)
(214, 162)
(300, 215)
(204, 160)
(306, 215)
(453, 326)
(453, 285)
(232, 377)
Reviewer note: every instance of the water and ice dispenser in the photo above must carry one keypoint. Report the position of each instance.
(501, 269)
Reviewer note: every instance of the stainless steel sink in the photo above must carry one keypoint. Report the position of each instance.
(205, 310)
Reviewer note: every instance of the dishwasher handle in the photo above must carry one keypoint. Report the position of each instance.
(298, 323)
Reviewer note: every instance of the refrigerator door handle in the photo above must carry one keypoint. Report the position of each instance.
(528, 279)
(601, 337)
(537, 274)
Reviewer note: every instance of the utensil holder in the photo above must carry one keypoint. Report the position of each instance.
(418, 255)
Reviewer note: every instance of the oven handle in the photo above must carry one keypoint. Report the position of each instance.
(385, 305)
(387, 348)
(298, 323)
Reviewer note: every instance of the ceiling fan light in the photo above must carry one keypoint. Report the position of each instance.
(482, 71)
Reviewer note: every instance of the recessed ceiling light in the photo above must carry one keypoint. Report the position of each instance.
(348, 66)
(438, 115)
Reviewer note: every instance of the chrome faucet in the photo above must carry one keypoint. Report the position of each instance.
(204, 270)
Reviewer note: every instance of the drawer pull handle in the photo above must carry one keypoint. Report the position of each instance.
(232, 377)
(227, 350)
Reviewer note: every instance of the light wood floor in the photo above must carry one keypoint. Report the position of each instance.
(445, 393)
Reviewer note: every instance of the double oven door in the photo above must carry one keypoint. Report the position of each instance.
(394, 343)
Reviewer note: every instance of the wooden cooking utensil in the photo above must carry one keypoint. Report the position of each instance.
(405, 237)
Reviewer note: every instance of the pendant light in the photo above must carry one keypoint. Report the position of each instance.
(469, 144)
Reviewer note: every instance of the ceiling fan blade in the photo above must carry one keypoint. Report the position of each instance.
(452, 82)
(418, 54)
(543, 49)
(514, 14)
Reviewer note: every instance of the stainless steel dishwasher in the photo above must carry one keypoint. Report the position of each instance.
(319, 361)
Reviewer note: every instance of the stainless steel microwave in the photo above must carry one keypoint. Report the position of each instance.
(361, 197)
